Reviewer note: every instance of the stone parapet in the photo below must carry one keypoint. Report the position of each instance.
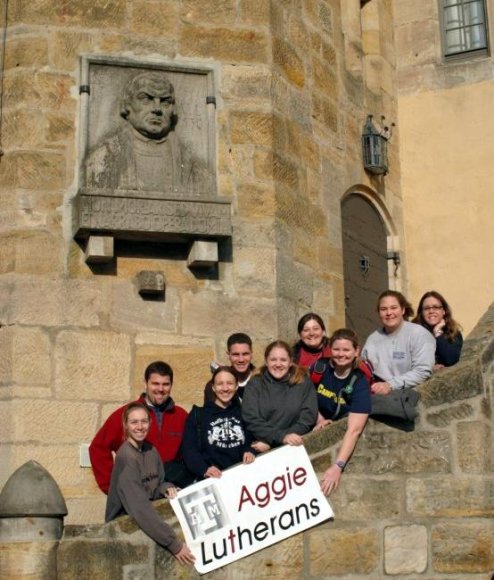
(407, 504)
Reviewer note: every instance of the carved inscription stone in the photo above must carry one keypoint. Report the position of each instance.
(157, 219)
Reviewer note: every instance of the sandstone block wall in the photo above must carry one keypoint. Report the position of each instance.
(293, 88)
(416, 504)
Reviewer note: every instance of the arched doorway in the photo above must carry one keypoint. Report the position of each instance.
(365, 264)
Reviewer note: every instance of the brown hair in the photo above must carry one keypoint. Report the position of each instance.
(299, 345)
(296, 372)
(306, 318)
(160, 368)
(346, 334)
(238, 338)
(451, 328)
(224, 369)
(402, 301)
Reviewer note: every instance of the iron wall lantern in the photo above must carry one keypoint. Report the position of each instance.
(375, 147)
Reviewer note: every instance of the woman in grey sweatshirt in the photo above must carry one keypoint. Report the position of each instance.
(280, 404)
(137, 478)
(402, 354)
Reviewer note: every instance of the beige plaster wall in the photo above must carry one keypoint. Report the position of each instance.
(446, 140)
(447, 145)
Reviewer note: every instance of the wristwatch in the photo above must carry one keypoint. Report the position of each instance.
(340, 464)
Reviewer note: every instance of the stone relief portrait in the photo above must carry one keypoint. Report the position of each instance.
(145, 135)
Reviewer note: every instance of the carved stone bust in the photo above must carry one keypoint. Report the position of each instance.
(148, 155)
(145, 153)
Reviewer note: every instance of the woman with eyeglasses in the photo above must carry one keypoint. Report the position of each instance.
(434, 314)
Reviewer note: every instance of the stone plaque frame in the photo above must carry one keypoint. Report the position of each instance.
(142, 213)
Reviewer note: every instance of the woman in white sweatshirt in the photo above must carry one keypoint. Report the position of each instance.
(402, 354)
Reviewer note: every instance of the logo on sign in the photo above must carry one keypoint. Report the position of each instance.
(204, 511)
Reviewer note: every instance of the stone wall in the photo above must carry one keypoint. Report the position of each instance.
(294, 82)
(420, 504)
(415, 504)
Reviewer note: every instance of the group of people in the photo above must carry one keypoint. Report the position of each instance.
(158, 447)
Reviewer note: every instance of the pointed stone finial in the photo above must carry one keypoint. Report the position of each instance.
(31, 491)
(31, 523)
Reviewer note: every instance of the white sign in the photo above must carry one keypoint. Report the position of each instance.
(250, 507)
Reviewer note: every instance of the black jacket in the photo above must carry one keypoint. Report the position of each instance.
(215, 436)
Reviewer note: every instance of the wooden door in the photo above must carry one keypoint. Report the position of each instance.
(365, 264)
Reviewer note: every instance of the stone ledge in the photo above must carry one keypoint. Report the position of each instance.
(130, 215)
(463, 381)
